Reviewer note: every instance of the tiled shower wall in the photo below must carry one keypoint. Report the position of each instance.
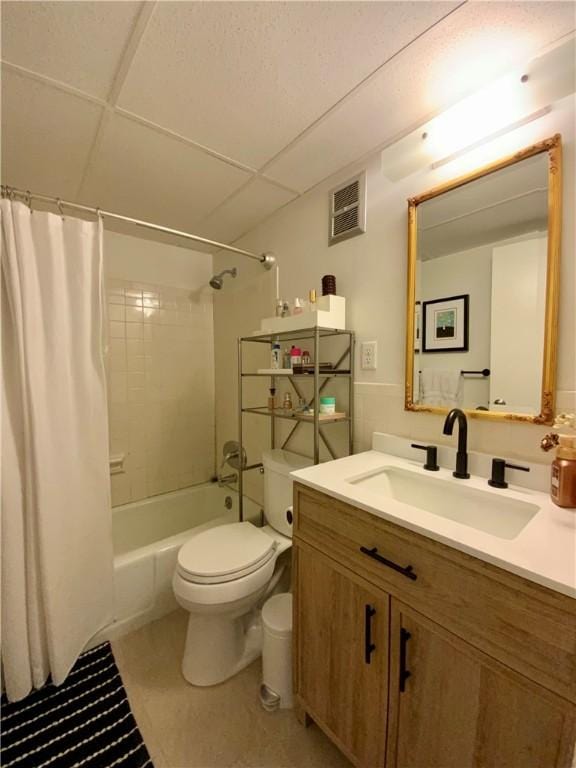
(160, 369)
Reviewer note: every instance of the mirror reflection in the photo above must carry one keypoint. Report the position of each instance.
(480, 292)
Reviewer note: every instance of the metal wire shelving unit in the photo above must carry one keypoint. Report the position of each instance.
(320, 379)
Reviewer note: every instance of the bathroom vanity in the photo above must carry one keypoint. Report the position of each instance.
(420, 641)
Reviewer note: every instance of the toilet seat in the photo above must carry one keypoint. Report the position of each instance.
(225, 553)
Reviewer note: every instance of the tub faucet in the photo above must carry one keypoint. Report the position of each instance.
(461, 470)
(226, 479)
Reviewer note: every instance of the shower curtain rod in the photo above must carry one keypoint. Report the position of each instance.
(266, 259)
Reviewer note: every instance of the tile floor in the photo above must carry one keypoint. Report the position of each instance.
(220, 727)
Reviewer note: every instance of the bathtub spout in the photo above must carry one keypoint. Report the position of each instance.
(227, 479)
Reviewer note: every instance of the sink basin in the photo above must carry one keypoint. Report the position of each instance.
(489, 512)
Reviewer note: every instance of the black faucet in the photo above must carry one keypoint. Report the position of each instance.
(431, 456)
(461, 470)
(498, 477)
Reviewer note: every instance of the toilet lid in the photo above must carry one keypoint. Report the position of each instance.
(225, 553)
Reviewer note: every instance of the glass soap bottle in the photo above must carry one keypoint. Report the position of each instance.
(563, 482)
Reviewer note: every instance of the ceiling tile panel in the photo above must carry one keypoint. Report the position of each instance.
(464, 52)
(46, 136)
(140, 172)
(244, 78)
(78, 43)
(257, 200)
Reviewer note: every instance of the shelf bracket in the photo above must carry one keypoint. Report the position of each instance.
(294, 428)
(327, 443)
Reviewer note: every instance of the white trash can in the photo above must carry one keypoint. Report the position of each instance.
(276, 688)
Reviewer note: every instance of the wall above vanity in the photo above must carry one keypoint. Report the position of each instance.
(483, 272)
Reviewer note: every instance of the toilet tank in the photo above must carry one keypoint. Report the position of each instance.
(278, 486)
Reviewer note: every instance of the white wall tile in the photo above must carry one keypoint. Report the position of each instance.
(161, 392)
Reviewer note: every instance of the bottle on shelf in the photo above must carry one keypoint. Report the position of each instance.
(272, 399)
(296, 359)
(287, 402)
(275, 356)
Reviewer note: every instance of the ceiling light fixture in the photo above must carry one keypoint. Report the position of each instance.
(486, 139)
(481, 114)
(500, 107)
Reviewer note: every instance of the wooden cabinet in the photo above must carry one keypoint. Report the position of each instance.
(458, 707)
(473, 667)
(342, 654)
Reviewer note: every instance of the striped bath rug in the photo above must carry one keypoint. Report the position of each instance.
(84, 723)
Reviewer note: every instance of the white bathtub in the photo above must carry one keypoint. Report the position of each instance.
(147, 536)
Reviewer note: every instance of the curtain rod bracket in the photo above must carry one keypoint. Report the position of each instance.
(268, 260)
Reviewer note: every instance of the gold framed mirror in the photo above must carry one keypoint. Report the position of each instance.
(482, 304)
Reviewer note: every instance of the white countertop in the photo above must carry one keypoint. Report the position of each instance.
(543, 552)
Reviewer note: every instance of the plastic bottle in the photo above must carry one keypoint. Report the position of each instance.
(295, 356)
(563, 481)
(275, 355)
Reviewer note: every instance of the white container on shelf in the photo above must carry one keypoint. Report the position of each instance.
(330, 312)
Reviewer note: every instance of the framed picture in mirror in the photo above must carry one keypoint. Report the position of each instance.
(445, 324)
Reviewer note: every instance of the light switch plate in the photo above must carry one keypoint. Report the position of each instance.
(368, 355)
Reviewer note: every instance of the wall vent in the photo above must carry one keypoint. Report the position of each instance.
(347, 209)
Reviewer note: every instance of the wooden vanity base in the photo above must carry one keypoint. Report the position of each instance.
(464, 665)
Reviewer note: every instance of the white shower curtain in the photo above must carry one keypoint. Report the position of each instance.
(57, 560)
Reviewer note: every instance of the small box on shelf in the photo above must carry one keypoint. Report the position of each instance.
(330, 312)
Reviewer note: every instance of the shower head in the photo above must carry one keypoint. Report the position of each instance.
(217, 281)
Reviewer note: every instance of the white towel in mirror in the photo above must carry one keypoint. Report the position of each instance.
(442, 387)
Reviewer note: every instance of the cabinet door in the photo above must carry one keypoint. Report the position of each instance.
(341, 665)
(452, 706)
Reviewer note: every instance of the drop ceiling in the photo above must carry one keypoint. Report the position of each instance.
(209, 116)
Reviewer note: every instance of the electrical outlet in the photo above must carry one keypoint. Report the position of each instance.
(368, 351)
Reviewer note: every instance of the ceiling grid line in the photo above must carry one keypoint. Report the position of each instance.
(51, 82)
(410, 128)
(126, 60)
(357, 88)
(260, 172)
(225, 144)
(184, 140)
(246, 184)
(65, 88)
(130, 50)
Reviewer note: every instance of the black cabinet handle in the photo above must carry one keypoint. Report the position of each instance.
(404, 673)
(368, 644)
(407, 571)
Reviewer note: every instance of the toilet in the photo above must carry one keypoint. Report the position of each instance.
(224, 574)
